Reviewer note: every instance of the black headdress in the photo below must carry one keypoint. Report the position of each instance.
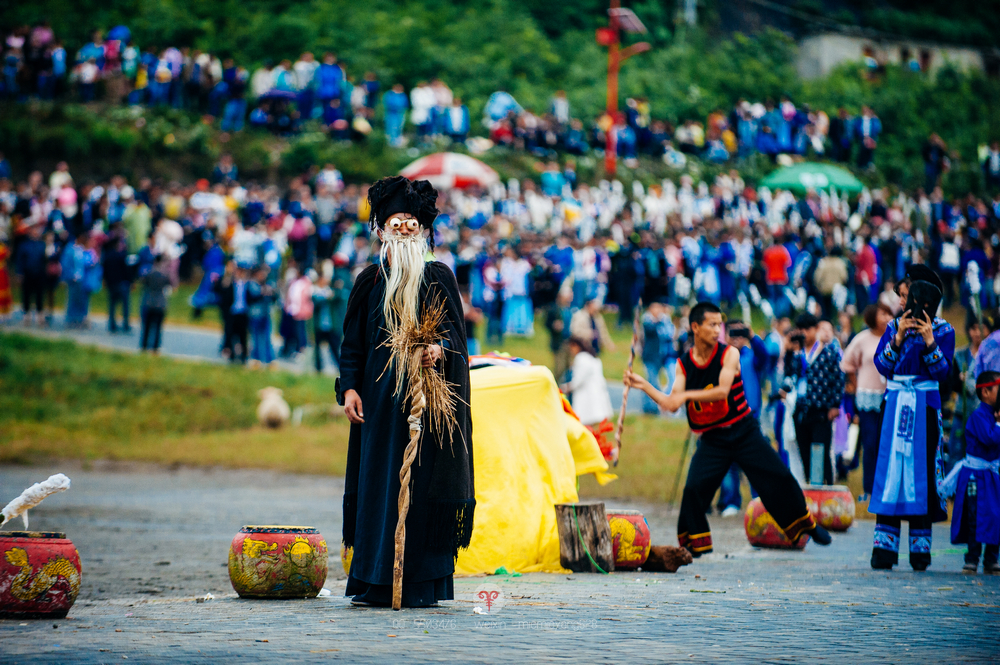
(918, 272)
(399, 194)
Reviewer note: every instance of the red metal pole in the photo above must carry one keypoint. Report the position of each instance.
(611, 146)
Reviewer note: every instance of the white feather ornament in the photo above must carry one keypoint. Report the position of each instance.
(33, 496)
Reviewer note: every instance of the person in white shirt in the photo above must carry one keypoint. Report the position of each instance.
(560, 107)
(587, 388)
(443, 100)
(262, 80)
(59, 177)
(422, 101)
(331, 178)
(305, 70)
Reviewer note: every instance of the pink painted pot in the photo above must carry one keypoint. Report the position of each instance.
(39, 575)
(630, 538)
(832, 506)
(763, 531)
(278, 562)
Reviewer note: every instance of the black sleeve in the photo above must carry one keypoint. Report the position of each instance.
(352, 349)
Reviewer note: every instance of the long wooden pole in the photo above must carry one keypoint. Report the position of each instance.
(636, 336)
(417, 404)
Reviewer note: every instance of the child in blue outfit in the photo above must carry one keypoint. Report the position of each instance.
(976, 483)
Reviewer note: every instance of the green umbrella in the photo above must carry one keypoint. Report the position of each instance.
(813, 175)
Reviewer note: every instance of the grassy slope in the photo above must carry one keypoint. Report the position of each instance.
(58, 399)
(62, 400)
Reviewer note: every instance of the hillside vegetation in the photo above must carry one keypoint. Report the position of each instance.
(528, 47)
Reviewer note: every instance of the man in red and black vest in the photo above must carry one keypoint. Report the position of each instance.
(709, 382)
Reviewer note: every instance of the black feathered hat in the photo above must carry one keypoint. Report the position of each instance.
(396, 194)
(918, 272)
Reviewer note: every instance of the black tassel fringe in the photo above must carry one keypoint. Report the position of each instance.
(450, 524)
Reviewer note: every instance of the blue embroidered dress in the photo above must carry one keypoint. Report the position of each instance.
(982, 449)
(909, 465)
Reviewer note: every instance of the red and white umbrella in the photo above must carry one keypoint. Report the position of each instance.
(447, 170)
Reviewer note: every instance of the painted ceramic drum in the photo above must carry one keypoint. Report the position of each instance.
(278, 562)
(630, 538)
(39, 575)
(763, 531)
(832, 506)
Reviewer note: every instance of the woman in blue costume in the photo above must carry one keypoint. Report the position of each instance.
(976, 517)
(213, 265)
(914, 355)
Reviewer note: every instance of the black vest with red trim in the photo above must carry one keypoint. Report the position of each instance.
(703, 416)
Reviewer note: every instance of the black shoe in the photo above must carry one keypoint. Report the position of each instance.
(820, 535)
(367, 603)
(880, 564)
(919, 566)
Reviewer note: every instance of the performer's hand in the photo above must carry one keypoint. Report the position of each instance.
(925, 327)
(633, 380)
(833, 414)
(432, 354)
(352, 407)
(905, 323)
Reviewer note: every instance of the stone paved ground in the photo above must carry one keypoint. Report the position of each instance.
(153, 539)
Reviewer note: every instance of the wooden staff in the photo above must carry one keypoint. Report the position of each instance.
(680, 467)
(417, 404)
(636, 336)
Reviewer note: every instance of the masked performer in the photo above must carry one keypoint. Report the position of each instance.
(914, 355)
(404, 378)
(709, 382)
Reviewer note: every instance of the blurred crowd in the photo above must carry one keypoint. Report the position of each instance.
(281, 96)
(518, 247)
(552, 256)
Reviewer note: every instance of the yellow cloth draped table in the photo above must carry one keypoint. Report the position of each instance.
(528, 452)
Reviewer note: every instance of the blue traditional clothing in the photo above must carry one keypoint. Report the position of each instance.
(213, 265)
(909, 469)
(982, 464)
(901, 481)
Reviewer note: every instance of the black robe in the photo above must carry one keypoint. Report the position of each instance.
(442, 497)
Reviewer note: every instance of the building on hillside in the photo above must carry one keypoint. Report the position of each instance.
(819, 54)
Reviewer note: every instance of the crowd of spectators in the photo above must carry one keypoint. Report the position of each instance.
(515, 247)
(281, 96)
(557, 252)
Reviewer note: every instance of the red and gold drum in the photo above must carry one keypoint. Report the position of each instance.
(763, 531)
(630, 538)
(832, 506)
(278, 562)
(39, 575)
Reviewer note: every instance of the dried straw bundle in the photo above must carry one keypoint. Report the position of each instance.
(439, 395)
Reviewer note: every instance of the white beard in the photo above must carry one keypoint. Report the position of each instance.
(404, 256)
